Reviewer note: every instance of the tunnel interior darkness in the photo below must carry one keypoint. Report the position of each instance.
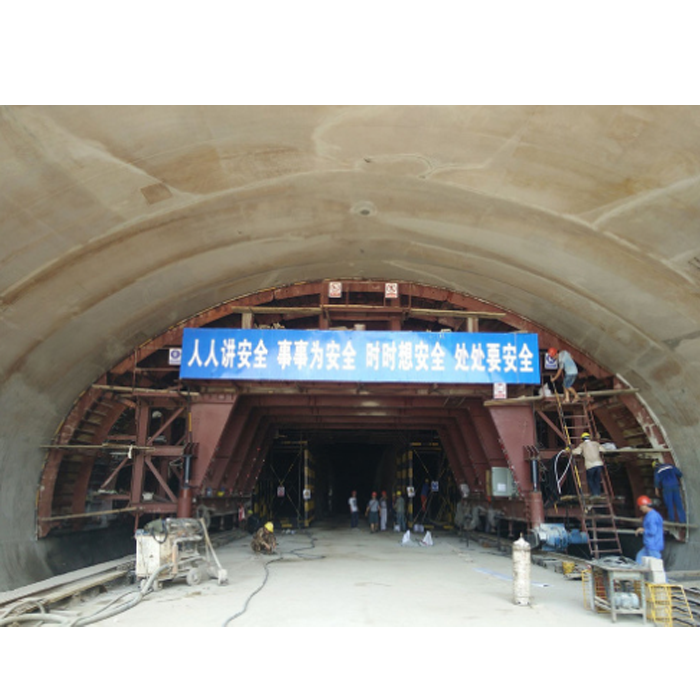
(339, 467)
(349, 466)
(363, 461)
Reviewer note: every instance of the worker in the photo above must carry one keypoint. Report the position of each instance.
(383, 511)
(264, 539)
(591, 449)
(567, 367)
(652, 530)
(424, 493)
(667, 482)
(354, 509)
(461, 513)
(372, 512)
(400, 511)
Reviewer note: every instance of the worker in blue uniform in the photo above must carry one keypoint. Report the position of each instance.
(652, 531)
(667, 482)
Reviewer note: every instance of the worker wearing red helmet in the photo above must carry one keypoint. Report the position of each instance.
(652, 531)
(567, 367)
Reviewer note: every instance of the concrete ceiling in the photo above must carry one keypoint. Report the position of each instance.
(119, 221)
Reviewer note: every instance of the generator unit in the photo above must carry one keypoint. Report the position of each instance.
(176, 548)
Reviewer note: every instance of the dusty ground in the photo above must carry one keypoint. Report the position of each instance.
(338, 577)
(342, 607)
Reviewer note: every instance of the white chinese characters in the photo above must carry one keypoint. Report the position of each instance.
(360, 356)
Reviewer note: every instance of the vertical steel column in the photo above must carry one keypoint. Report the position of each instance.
(80, 492)
(257, 455)
(395, 321)
(209, 419)
(409, 477)
(184, 500)
(516, 429)
(139, 469)
(463, 468)
(239, 469)
(308, 485)
(323, 299)
(479, 459)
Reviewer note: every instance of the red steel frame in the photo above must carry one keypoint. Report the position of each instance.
(224, 430)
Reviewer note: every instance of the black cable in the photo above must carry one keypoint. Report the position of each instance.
(295, 552)
(254, 593)
(166, 529)
(312, 545)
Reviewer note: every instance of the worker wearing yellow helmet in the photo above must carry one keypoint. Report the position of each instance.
(264, 539)
(591, 451)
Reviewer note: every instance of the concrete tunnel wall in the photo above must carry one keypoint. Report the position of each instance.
(119, 222)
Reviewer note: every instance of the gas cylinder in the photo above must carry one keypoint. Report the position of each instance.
(521, 572)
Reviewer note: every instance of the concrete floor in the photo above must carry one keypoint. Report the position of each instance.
(362, 591)
(340, 577)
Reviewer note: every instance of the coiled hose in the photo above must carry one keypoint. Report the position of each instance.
(63, 620)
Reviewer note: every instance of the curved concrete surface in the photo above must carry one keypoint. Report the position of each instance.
(120, 221)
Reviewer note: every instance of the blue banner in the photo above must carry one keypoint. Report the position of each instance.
(359, 356)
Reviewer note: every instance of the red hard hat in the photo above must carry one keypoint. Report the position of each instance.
(552, 352)
(643, 501)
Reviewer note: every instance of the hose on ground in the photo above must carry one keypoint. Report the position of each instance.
(106, 612)
(65, 620)
(24, 603)
(296, 552)
(253, 594)
(60, 620)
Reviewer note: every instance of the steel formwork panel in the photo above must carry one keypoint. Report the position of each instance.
(233, 424)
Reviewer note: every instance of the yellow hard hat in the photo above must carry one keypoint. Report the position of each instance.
(585, 436)
(269, 527)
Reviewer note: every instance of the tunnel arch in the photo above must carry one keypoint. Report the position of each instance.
(143, 443)
(120, 222)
